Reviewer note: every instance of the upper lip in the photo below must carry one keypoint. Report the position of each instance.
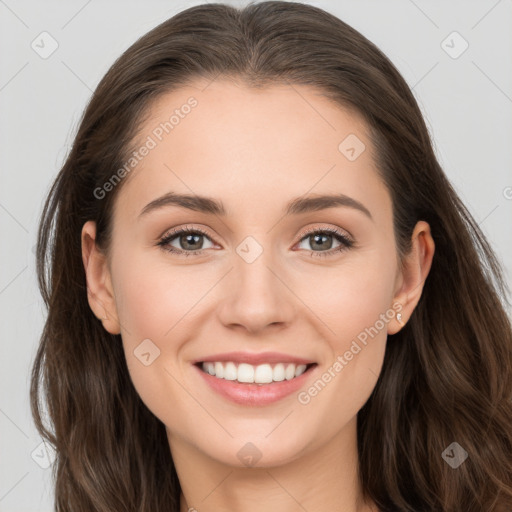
(254, 358)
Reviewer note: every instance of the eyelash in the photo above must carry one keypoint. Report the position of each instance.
(345, 242)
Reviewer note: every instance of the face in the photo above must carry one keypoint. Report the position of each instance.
(260, 276)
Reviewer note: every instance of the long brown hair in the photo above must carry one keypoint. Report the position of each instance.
(447, 375)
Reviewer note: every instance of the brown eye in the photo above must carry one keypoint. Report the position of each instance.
(323, 239)
(189, 241)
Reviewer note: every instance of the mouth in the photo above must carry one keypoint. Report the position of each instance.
(261, 374)
(254, 385)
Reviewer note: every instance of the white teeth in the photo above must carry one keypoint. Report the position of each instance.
(247, 373)
(230, 371)
(289, 373)
(219, 370)
(263, 374)
(278, 372)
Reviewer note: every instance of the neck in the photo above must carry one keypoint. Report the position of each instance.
(323, 478)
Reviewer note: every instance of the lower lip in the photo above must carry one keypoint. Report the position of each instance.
(255, 394)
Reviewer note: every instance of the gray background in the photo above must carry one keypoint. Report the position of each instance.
(467, 102)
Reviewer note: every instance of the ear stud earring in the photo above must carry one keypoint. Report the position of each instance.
(399, 318)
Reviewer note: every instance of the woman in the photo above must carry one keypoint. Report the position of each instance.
(202, 350)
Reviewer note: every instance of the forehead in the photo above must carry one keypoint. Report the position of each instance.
(251, 147)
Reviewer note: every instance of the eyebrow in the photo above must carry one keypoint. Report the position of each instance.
(296, 206)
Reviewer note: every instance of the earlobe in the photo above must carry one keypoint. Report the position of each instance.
(416, 267)
(100, 293)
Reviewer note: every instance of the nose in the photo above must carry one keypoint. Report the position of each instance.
(256, 296)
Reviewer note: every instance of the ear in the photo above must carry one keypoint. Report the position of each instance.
(411, 279)
(100, 293)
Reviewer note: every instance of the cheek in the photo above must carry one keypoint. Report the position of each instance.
(154, 327)
(156, 304)
(352, 297)
(357, 311)
(151, 298)
(354, 302)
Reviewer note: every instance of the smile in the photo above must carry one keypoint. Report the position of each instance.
(254, 386)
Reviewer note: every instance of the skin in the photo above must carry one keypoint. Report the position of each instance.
(255, 151)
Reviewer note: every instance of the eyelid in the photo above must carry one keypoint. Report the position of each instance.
(335, 231)
(302, 233)
(174, 232)
(331, 229)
